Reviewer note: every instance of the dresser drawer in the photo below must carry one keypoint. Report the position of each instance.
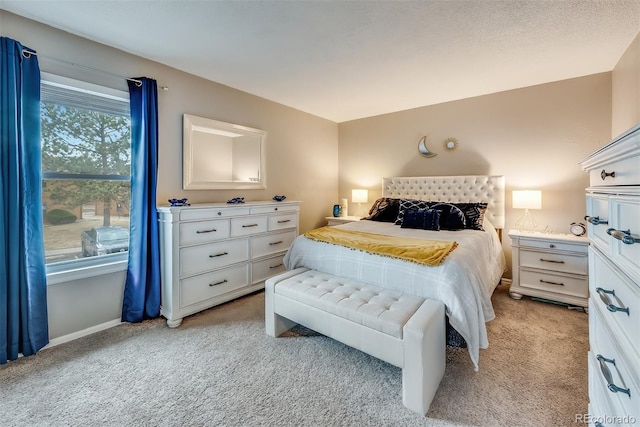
(280, 222)
(566, 284)
(209, 213)
(271, 243)
(250, 225)
(598, 220)
(263, 269)
(601, 408)
(202, 287)
(204, 231)
(625, 217)
(202, 258)
(272, 209)
(559, 262)
(610, 287)
(613, 367)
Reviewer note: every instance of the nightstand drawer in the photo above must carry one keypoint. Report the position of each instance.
(553, 245)
(566, 284)
(558, 262)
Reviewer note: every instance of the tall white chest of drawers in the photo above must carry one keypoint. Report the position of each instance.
(613, 225)
(213, 253)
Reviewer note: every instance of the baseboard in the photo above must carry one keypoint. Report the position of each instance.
(83, 333)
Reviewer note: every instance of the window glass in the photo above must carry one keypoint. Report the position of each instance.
(86, 162)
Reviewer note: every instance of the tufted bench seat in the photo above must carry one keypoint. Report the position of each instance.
(404, 330)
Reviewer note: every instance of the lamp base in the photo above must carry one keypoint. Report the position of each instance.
(526, 222)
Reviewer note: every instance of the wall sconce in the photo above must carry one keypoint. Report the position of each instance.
(527, 199)
(359, 196)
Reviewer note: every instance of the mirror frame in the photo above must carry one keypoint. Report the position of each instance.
(191, 123)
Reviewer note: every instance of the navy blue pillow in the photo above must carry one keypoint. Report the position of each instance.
(426, 219)
(409, 204)
(451, 217)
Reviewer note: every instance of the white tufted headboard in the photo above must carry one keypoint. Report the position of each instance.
(455, 189)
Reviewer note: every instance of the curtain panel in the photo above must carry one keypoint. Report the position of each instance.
(142, 287)
(23, 281)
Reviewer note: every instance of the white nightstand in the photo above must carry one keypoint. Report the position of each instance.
(550, 266)
(337, 220)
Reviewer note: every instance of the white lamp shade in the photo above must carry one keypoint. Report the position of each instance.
(359, 196)
(527, 199)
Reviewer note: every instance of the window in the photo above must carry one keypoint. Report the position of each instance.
(86, 162)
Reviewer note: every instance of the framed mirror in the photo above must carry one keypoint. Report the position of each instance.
(222, 156)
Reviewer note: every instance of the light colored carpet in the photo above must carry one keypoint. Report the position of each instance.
(220, 369)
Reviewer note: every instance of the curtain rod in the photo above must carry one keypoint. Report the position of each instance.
(27, 54)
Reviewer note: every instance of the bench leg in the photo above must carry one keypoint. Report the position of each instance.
(424, 356)
(276, 325)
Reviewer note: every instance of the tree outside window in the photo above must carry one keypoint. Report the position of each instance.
(86, 163)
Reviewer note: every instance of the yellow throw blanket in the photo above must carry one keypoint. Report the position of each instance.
(421, 251)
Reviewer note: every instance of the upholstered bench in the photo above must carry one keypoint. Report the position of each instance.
(404, 330)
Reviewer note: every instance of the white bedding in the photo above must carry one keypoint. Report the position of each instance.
(463, 282)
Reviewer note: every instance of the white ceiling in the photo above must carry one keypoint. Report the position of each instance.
(344, 60)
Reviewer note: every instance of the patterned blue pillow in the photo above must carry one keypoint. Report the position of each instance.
(407, 204)
(473, 214)
(384, 209)
(426, 219)
(451, 217)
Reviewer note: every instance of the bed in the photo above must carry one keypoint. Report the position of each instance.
(465, 279)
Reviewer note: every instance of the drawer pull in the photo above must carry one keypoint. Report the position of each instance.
(218, 283)
(551, 260)
(606, 373)
(605, 299)
(249, 225)
(595, 220)
(625, 236)
(206, 231)
(220, 254)
(275, 243)
(276, 266)
(604, 174)
(282, 221)
(551, 283)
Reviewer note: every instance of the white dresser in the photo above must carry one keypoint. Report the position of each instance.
(213, 253)
(550, 266)
(613, 225)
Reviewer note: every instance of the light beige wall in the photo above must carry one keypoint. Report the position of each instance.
(534, 136)
(302, 149)
(626, 90)
(302, 152)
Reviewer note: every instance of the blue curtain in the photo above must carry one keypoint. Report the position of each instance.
(23, 279)
(142, 288)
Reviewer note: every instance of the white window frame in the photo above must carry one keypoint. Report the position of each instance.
(84, 268)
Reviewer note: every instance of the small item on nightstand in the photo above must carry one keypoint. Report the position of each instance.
(578, 229)
(337, 210)
(279, 198)
(236, 200)
(179, 202)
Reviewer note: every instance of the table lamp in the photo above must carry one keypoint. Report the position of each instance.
(359, 196)
(527, 199)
